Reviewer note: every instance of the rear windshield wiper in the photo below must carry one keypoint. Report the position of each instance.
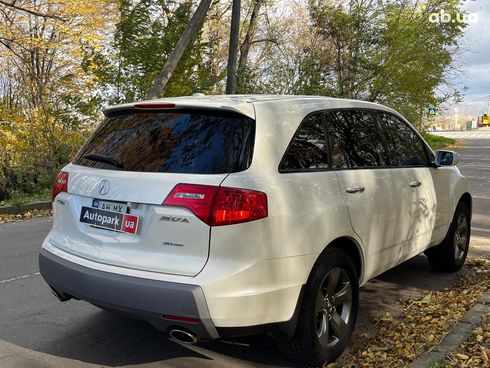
(114, 161)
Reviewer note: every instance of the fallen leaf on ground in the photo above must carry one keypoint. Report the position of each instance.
(4, 218)
(424, 323)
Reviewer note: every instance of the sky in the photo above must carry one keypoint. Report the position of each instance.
(475, 58)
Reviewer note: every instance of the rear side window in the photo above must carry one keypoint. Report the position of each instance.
(308, 149)
(404, 145)
(171, 142)
(355, 140)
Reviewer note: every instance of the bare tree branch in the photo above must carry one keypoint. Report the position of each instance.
(247, 42)
(271, 40)
(32, 12)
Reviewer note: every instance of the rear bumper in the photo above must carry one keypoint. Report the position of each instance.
(141, 298)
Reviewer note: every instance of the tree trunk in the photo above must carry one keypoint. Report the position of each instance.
(232, 53)
(184, 40)
(247, 42)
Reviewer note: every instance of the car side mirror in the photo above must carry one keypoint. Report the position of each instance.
(446, 158)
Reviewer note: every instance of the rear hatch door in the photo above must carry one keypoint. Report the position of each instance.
(113, 212)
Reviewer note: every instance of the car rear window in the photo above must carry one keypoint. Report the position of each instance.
(172, 142)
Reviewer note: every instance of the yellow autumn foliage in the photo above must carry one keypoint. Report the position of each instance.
(44, 89)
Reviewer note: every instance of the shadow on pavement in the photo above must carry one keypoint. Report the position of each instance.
(111, 340)
(78, 331)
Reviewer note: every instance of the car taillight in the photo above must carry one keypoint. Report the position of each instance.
(153, 105)
(60, 184)
(233, 206)
(197, 198)
(219, 205)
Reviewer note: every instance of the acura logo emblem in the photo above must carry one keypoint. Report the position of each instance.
(104, 187)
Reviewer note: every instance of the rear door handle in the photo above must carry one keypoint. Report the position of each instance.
(355, 188)
(415, 184)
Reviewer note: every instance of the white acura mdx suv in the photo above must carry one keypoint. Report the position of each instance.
(219, 216)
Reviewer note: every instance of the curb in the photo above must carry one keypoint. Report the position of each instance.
(458, 334)
(21, 208)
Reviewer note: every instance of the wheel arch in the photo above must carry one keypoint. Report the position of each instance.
(467, 200)
(352, 249)
(344, 243)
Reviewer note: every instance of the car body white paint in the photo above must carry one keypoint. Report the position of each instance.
(252, 273)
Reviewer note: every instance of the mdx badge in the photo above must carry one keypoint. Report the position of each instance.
(175, 219)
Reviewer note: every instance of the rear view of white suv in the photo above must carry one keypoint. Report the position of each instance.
(220, 216)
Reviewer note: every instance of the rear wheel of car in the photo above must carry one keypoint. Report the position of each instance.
(328, 311)
(450, 255)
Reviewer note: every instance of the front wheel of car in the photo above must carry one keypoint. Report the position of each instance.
(450, 255)
(328, 311)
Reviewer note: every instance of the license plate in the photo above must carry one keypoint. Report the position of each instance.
(110, 206)
(122, 222)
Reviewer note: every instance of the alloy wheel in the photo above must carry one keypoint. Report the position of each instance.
(333, 307)
(460, 236)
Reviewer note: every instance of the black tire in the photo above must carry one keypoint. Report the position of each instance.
(309, 345)
(450, 255)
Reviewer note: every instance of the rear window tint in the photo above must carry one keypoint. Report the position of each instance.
(172, 142)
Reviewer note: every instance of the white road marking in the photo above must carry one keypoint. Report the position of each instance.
(478, 229)
(485, 134)
(19, 278)
(475, 167)
(480, 197)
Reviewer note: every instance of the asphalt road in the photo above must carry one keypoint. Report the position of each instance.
(475, 165)
(36, 330)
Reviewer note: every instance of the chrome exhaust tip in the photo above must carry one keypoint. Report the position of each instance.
(183, 337)
(61, 297)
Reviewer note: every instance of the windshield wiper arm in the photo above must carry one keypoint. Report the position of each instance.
(114, 161)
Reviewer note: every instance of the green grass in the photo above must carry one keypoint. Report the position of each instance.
(438, 142)
(20, 198)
